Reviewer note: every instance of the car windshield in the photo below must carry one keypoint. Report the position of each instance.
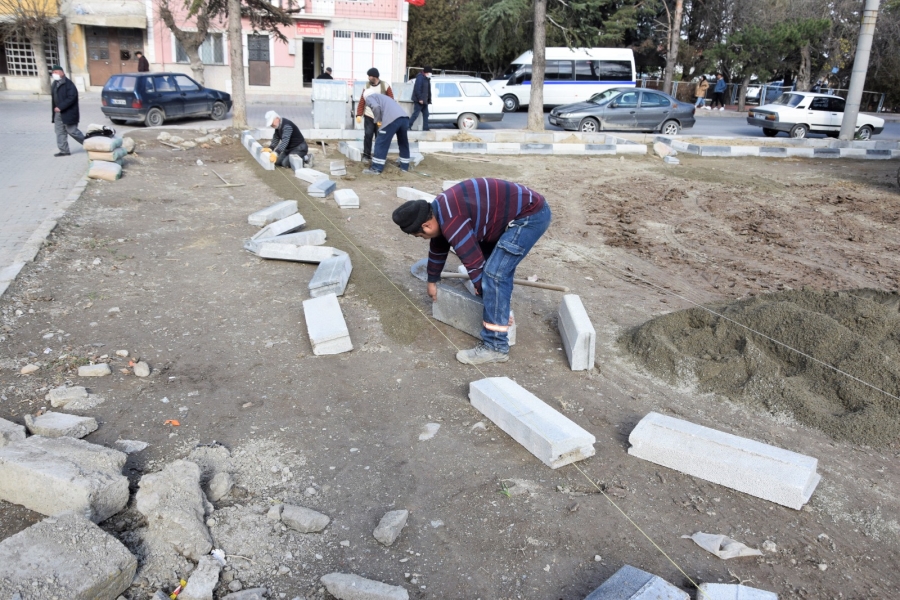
(603, 97)
(788, 100)
(511, 70)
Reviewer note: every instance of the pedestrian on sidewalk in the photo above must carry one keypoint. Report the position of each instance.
(491, 224)
(143, 63)
(286, 140)
(700, 93)
(326, 74)
(719, 92)
(421, 97)
(64, 98)
(373, 86)
(391, 120)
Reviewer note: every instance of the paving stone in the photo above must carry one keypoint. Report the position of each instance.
(331, 277)
(450, 183)
(54, 425)
(353, 587)
(62, 395)
(310, 175)
(322, 188)
(733, 591)
(273, 213)
(464, 311)
(64, 557)
(390, 526)
(98, 370)
(313, 237)
(308, 254)
(745, 465)
(543, 431)
(629, 583)
(304, 520)
(10, 432)
(55, 475)
(408, 193)
(280, 227)
(577, 332)
(328, 332)
(671, 160)
(203, 580)
(346, 199)
(338, 167)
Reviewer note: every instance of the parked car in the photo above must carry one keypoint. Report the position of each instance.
(463, 101)
(157, 97)
(626, 108)
(774, 89)
(801, 113)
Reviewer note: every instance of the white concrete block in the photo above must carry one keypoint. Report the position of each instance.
(546, 433)
(280, 227)
(465, 312)
(408, 193)
(309, 175)
(308, 254)
(322, 188)
(346, 199)
(98, 370)
(435, 146)
(313, 237)
(273, 213)
(758, 469)
(732, 591)
(338, 167)
(53, 424)
(450, 183)
(629, 583)
(10, 432)
(577, 332)
(331, 277)
(328, 332)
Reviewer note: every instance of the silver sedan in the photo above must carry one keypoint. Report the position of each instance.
(626, 108)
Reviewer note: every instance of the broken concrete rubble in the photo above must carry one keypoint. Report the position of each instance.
(629, 583)
(203, 580)
(62, 395)
(219, 486)
(98, 370)
(353, 587)
(53, 425)
(64, 557)
(250, 594)
(55, 475)
(304, 520)
(10, 432)
(390, 526)
(142, 369)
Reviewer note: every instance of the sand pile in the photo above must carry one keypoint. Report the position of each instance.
(857, 331)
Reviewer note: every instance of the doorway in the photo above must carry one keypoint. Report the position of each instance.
(111, 51)
(258, 60)
(312, 60)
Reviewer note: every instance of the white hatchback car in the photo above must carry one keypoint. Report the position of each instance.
(800, 113)
(463, 101)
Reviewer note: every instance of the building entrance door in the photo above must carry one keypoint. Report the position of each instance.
(258, 59)
(111, 51)
(312, 60)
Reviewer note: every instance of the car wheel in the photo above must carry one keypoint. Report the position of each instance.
(218, 111)
(589, 125)
(670, 128)
(510, 103)
(769, 132)
(155, 118)
(799, 131)
(864, 133)
(467, 122)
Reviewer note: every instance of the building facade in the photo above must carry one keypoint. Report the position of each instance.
(18, 67)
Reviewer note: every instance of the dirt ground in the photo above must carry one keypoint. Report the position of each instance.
(224, 334)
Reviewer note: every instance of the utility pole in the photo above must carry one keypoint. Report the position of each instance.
(860, 66)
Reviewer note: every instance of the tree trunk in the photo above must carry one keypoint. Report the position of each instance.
(538, 62)
(37, 46)
(804, 75)
(236, 55)
(742, 95)
(674, 38)
(196, 64)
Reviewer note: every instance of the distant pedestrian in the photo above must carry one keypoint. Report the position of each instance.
(392, 120)
(64, 98)
(700, 93)
(421, 98)
(326, 74)
(817, 87)
(374, 86)
(286, 140)
(719, 92)
(143, 63)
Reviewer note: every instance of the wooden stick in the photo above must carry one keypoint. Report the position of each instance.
(462, 156)
(535, 284)
(170, 145)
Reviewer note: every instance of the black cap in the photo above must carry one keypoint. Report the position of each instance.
(411, 215)
(427, 69)
(57, 68)
(373, 72)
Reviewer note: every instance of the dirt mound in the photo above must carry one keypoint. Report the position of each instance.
(856, 331)
(462, 136)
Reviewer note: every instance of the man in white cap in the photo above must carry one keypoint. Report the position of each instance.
(286, 140)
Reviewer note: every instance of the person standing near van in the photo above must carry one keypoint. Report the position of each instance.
(64, 100)
(700, 93)
(421, 97)
(719, 92)
(374, 86)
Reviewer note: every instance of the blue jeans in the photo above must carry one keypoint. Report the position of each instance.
(417, 108)
(383, 144)
(499, 271)
(701, 102)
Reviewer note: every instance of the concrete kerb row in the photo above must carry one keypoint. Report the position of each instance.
(811, 148)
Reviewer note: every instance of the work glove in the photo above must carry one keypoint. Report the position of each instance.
(273, 157)
(266, 149)
(359, 119)
(378, 123)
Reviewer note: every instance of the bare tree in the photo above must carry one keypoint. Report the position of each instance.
(236, 42)
(674, 39)
(32, 19)
(189, 40)
(538, 63)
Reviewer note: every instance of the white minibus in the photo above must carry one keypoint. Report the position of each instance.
(571, 75)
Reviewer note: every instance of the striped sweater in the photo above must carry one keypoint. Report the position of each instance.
(473, 215)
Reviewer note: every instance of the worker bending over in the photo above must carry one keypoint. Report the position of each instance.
(286, 140)
(491, 224)
(391, 120)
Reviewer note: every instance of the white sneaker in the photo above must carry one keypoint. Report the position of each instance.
(706, 108)
(721, 108)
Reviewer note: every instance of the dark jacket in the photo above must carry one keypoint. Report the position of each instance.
(65, 97)
(286, 137)
(324, 75)
(422, 89)
(143, 64)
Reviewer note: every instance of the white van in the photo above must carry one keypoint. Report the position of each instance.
(571, 75)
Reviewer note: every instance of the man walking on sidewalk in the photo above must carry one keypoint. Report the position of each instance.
(421, 97)
(374, 86)
(64, 98)
(392, 120)
(491, 224)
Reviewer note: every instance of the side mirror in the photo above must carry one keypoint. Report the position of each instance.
(614, 105)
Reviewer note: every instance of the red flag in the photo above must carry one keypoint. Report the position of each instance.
(417, 2)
